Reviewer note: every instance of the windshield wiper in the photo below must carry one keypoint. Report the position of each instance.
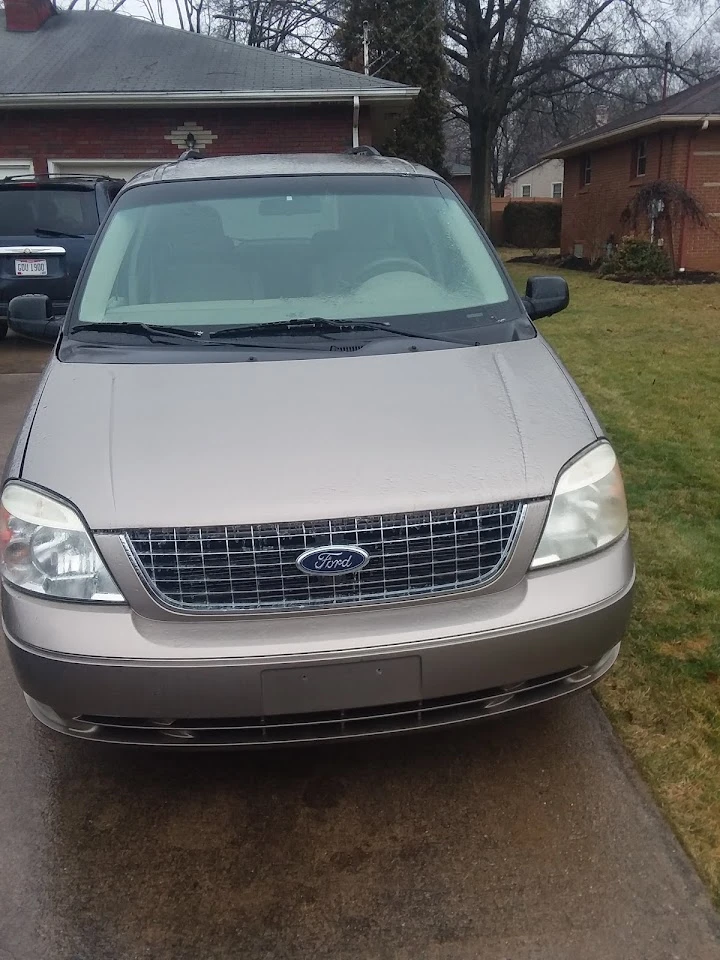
(296, 325)
(400, 332)
(305, 324)
(46, 232)
(156, 333)
(153, 332)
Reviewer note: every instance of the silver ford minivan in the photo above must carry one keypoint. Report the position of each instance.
(302, 468)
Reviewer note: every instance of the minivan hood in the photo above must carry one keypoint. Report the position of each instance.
(140, 445)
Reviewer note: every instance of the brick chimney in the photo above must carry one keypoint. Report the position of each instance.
(27, 15)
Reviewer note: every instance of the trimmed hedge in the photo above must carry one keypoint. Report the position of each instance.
(532, 225)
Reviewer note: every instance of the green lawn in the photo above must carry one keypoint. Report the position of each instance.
(648, 359)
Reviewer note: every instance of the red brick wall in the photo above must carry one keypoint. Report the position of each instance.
(592, 213)
(139, 133)
(701, 245)
(463, 185)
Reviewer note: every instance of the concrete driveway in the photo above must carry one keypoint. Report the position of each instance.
(529, 837)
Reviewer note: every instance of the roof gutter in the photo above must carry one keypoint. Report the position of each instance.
(599, 138)
(204, 97)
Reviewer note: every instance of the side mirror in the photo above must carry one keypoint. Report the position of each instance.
(31, 316)
(545, 296)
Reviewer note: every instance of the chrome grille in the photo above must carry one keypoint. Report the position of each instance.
(254, 567)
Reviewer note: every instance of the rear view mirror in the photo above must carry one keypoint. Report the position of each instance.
(31, 316)
(289, 206)
(545, 296)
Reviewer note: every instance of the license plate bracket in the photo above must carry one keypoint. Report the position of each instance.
(341, 686)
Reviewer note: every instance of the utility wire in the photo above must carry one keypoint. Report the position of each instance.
(695, 33)
(407, 32)
(403, 35)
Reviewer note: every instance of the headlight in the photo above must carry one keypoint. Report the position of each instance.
(588, 509)
(45, 548)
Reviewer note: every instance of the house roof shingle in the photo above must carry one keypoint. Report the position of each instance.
(696, 102)
(106, 55)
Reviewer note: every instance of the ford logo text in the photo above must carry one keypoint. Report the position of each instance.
(332, 561)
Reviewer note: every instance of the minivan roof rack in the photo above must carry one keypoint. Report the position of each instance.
(191, 154)
(364, 150)
(59, 176)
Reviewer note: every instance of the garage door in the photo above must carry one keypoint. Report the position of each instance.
(15, 168)
(124, 169)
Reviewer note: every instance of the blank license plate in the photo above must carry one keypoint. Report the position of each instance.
(341, 686)
(31, 268)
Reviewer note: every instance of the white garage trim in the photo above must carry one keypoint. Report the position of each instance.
(107, 167)
(15, 168)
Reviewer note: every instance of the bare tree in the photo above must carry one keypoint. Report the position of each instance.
(194, 15)
(111, 5)
(302, 27)
(506, 54)
(155, 10)
(511, 141)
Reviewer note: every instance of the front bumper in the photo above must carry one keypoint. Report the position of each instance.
(330, 725)
(424, 665)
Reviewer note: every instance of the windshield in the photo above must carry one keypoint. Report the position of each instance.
(27, 208)
(229, 253)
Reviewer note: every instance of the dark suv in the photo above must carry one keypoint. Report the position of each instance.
(46, 225)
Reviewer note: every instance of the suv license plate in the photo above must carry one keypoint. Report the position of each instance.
(31, 268)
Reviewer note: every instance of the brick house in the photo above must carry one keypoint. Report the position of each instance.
(97, 92)
(460, 179)
(675, 139)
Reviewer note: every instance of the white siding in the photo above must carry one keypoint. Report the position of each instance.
(540, 180)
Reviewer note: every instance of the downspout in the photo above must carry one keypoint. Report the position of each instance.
(688, 169)
(356, 121)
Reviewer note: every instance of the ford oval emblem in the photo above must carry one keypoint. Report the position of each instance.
(332, 561)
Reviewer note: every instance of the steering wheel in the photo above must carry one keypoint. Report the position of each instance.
(391, 265)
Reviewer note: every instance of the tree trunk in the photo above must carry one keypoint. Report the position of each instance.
(481, 141)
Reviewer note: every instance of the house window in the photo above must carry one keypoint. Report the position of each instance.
(641, 157)
(557, 191)
(586, 170)
(526, 189)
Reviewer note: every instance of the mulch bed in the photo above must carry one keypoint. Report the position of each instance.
(687, 278)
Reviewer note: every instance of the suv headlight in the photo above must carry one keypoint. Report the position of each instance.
(45, 548)
(588, 509)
